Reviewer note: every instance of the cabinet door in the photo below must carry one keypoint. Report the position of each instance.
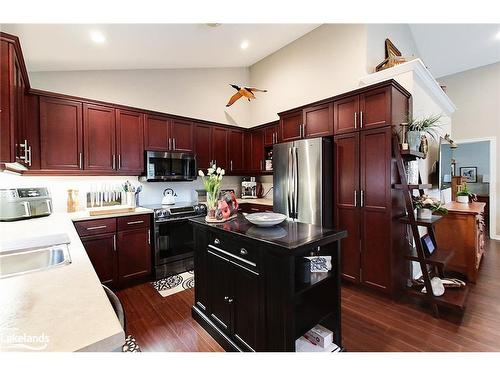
(318, 121)
(257, 163)
(130, 141)
(134, 254)
(156, 133)
(101, 250)
(270, 135)
(375, 108)
(375, 184)
(203, 145)
(218, 269)
(219, 147)
(181, 133)
(345, 115)
(247, 151)
(347, 200)
(61, 134)
(99, 137)
(290, 126)
(235, 139)
(247, 319)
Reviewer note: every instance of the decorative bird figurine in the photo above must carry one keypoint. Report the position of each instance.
(247, 92)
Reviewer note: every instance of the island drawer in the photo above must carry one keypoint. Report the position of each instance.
(133, 221)
(98, 226)
(237, 250)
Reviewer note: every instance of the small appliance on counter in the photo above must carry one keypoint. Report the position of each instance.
(249, 188)
(24, 203)
(168, 197)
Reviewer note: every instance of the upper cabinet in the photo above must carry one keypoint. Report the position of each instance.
(181, 134)
(99, 127)
(236, 151)
(202, 142)
(291, 126)
(130, 147)
(345, 112)
(375, 108)
(156, 129)
(318, 121)
(219, 146)
(61, 134)
(271, 134)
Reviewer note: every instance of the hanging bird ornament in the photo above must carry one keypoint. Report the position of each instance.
(247, 92)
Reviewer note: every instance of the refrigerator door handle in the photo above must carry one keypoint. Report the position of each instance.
(289, 181)
(296, 182)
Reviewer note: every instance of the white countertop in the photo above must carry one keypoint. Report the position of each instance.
(84, 215)
(67, 304)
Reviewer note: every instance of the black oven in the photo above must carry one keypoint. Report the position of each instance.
(170, 166)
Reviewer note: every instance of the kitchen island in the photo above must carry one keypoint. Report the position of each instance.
(249, 292)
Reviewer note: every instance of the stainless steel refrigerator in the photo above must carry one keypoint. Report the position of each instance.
(303, 180)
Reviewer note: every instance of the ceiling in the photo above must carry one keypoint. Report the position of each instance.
(452, 48)
(60, 47)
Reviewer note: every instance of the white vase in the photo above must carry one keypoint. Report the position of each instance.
(424, 213)
(462, 198)
(414, 138)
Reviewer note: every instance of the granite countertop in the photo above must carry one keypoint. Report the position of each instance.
(262, 201)
(67, 304)
(289, 235)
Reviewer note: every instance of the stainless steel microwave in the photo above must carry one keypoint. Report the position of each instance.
(170, 166)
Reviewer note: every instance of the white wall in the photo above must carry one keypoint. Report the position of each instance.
(198, 93)
(399, 34)
(327, 61)
(476, 93)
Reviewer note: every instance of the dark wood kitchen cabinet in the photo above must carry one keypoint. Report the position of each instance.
(181, 134)
(130, 141)
(257, 151)
(119, 248)
(271, 134)
(345, 112)
(101, 250)
(99, 127)
(219, 146)
(291, 126)
(235, 151)
(318, 121)
(203, 145)
(220, 309)
(156, 129)
(61, 134)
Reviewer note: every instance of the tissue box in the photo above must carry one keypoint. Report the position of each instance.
(320, 335)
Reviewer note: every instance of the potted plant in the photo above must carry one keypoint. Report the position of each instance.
(418, 128)
(426, 206)
(464, 194)
(212, 181)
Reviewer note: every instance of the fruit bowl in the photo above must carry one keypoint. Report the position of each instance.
(265, 219)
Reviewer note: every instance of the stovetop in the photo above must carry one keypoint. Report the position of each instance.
(180, 210)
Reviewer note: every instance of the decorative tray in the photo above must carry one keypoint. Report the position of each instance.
(215, 221)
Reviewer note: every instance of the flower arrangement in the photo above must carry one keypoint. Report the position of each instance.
(212, 181)
(464, 194)
(426, 205)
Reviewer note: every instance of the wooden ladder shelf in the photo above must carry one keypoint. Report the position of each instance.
(453, 297)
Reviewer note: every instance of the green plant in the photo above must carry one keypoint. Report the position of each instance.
(463, 191)
(212, 181)
(424, 201)
(430, 125)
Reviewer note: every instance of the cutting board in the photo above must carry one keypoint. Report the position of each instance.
(110, 210)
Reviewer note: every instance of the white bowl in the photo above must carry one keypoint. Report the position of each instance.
(265, 219)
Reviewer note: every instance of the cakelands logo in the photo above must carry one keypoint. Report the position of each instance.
(23, 342)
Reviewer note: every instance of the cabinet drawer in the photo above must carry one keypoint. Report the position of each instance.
(98, 226)
(133, 221)
(238, 251)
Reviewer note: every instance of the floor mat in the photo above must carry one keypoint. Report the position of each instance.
(174, 284)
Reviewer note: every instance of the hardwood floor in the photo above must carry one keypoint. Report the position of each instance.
(370, 321)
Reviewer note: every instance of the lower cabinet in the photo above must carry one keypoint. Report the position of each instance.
(119, 249)
(249, 208)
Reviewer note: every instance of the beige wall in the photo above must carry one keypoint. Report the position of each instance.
(322, 63)
(199, 93)
(476, 93)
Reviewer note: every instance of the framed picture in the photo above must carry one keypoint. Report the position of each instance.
(428, 245)
(470, 173)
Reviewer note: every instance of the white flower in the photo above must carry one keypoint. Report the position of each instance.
(214, 167)
(428, 201)
(200, 173)
(222, 172)
(218, 170)
(210, 171)
(220, 178)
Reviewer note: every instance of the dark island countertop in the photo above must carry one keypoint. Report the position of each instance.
(288, 235)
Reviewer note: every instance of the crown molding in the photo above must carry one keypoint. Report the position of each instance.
(422, 74)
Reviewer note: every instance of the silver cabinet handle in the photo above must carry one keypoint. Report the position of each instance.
(217, 241)
(362, 198)
(114, 242)
(170, 143)
(361, 119)
(303, 130)
(173, 142)
(114, 161)
(149, 237)
(231, 164)
(355, 198)
(135, 222)
(355, 120)
(243, 251)
(28, 152)
(98, 227)
(80, 161)
(119, 161)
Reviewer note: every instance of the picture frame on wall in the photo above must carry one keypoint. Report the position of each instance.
(469, 173)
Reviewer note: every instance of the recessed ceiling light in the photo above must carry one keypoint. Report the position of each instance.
(97, 37)
(244, 44)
